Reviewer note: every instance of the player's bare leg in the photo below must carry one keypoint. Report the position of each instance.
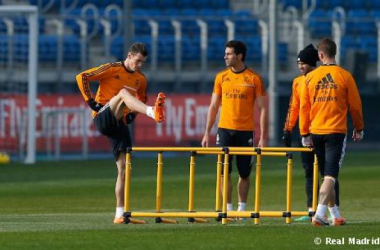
(125, 99)
(119, 188)
(326, 196)
(327, 193)
(120, 180)
(337, 219)
(243, 187)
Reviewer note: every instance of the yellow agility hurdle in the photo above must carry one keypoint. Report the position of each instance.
(220, 212)
(265, 151)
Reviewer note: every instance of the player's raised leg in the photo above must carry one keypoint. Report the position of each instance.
(125, 99)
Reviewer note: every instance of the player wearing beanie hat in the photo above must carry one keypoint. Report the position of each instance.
(308, 55)
(307, 61)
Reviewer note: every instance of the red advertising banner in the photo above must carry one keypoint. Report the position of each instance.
(63, 118)
(68, 118)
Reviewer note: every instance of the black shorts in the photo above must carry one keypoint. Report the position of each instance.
(330, 150)
(236, 138)
(117, 132)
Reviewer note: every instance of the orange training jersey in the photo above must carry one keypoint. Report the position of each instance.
(238, 92)
(112, 77)
(294, 103)
(328, 94)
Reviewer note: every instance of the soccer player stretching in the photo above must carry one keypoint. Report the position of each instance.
(120, 96)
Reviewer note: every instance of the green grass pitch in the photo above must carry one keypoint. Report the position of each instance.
(70, 205)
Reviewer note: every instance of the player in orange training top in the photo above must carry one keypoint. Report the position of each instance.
(327, 96)
(236, 89)
(120, 96)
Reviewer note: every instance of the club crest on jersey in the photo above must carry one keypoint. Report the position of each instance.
(117, 77)
(226, 79)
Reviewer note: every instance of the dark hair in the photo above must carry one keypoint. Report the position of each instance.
(327, 46)
(138, 48)
(239, 48)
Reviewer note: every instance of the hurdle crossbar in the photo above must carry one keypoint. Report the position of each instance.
(222, 149)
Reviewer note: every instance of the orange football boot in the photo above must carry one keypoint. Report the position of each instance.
(119, 220)
(159, 106)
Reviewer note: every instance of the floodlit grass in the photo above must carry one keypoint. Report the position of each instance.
(70, 205)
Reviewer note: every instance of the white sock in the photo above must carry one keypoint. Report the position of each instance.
(119, 212)
(150, 112)
(334, 212)
(229, 207)
(321, 210)
(310, 209)
(241, 206)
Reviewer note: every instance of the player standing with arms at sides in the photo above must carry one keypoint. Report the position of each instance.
(120, 96)
(236, 89)
(327, 96)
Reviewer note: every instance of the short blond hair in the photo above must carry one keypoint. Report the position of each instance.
(327, 46)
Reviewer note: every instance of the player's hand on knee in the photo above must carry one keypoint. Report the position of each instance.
(306, 141)
(287, 138)
(130, 117)
(94, 105)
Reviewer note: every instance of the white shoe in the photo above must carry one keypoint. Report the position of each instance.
(320, 221)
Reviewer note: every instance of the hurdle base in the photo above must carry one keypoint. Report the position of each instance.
(134, 221)
(228, 219)
(167, 221)
(197, 220)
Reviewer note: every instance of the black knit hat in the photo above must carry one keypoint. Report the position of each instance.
(308, 55)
